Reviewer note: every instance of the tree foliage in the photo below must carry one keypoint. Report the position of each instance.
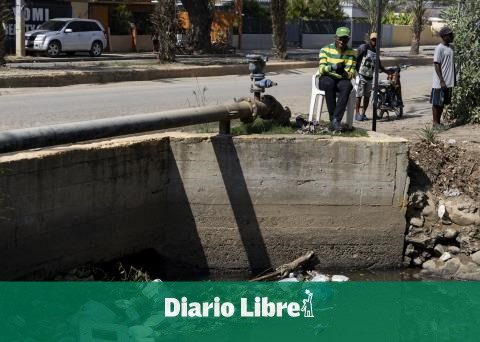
(164, 22)
(417, 9)
(121, 20)
(326, 9)
(393, 18)
(464, 22)
(279, 36)
(314, 9)
(298, 9)
(369, 7)
(251, 8)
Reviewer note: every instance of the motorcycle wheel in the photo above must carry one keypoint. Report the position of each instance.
(399, 112)
(381, 113)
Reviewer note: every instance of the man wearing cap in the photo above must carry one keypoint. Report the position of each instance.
(444, 76)
(336, 69)
(366, 58)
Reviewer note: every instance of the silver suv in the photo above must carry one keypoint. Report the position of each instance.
(67, 35)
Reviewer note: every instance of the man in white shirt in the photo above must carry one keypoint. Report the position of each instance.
(444, 75)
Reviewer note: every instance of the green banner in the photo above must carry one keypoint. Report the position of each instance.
(239, 311)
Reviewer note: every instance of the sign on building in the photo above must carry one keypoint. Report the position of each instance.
(35, 13)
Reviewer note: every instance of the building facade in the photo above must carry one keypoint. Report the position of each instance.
(123, 19)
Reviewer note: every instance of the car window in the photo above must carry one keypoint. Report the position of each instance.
(94, 26)
(75, 26)
(85, 26)
(52, 25)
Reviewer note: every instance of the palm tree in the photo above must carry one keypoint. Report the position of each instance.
(164, 22)
(417, 10)
(369, 7)
(298, 9)
(5, 15)
(279, 36)
(326, 9)
(200, 14)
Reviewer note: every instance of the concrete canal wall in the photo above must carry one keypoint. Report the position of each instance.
(205, 202)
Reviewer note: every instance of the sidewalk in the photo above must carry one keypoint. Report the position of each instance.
(297, 54)
(54, 72)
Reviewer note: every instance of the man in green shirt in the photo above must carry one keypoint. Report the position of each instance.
(336, 69)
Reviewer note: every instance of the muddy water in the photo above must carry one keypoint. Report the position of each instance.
(149, 265)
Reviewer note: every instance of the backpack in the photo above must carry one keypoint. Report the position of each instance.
(367, 66)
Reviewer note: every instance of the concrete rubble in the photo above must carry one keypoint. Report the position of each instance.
(446, 245)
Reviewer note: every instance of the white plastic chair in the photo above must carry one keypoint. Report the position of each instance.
(316, 102)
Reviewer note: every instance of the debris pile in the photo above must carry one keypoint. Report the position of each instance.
(443, 213)
(445, 167)
(300, 269)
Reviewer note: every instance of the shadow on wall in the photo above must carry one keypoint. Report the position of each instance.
(181, 242)
(242, 206)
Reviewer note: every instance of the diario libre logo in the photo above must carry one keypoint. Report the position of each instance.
(258, 307)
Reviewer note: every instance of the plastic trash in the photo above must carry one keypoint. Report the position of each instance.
(288, 280)
(340, 278)
(97, 312)
(322, 278)
(441, 211)
(452, 193)
(140, 331)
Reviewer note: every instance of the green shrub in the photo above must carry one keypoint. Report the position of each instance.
(260, 126)
(429, 134)
(464, 22)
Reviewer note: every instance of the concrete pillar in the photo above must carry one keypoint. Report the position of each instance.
(19, 28)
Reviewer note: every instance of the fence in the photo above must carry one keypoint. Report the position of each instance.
(313, 34)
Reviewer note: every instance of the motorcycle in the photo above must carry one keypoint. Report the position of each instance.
(390, 93)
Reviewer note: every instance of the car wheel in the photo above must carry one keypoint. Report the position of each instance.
(96, 50)
(54, 49)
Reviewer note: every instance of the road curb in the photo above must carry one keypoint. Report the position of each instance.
(128, 75)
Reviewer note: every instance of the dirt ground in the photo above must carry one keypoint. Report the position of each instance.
(451, 162)
(445, 167)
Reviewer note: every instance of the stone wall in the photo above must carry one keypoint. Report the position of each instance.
(205, 202)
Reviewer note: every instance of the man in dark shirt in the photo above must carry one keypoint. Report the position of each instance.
(366, 58)
(444, 75)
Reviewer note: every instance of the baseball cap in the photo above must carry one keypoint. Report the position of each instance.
(343, 32)
(373, 35)
(445, 31)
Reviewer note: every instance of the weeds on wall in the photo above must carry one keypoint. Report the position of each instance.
(429, 134)
(199, 95)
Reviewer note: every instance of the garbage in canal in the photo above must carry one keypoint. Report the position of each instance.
(339, 278)
(298, 270)
(315, 276)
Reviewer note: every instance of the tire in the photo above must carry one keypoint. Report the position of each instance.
(400, 112)
(96, 49)
(54, 49)
(381, 113)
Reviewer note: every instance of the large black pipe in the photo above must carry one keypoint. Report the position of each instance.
(28, 138)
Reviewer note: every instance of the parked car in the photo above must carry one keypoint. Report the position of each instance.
(68, 35)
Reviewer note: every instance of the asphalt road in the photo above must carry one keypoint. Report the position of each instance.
(30, 107)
